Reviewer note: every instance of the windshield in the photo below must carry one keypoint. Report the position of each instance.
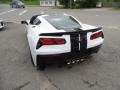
(62, 21)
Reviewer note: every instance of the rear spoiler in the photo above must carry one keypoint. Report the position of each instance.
(68, 33)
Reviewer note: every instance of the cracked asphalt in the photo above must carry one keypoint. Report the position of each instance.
(99, 72)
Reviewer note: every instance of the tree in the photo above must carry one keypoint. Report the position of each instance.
(117, 0)
(67, 3)
(86, 3)
(78, 3)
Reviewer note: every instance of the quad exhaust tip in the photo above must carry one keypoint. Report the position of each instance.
(81, 60)
(75, 61)
(68, 63)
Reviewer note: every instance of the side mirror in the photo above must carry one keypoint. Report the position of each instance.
(24, 22)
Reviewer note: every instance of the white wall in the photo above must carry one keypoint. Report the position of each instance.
(47, 3)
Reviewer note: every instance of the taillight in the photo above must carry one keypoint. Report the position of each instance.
(96, 35)
(50, 41)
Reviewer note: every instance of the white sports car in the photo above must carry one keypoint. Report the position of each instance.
(1, 24)
(61, 38)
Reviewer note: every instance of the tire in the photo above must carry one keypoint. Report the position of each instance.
(41, 67)
(31, 59)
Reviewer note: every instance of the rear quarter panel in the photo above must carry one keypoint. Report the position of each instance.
(55, 49)
(95, 42)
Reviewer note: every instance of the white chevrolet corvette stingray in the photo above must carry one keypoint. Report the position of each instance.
(61, 38)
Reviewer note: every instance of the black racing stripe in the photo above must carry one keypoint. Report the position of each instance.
(74, 42)
(83, 42)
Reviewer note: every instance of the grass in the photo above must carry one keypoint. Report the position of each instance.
(116, 8)
(32, 2)
(4, 2)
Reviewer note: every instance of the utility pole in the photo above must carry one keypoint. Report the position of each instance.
(72, 2)
(55, 3)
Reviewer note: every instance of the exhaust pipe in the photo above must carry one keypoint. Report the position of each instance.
(68, 63)
(78, 61)
(82, 60)
(75, 61)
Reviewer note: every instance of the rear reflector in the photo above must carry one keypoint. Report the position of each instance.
(96, 35)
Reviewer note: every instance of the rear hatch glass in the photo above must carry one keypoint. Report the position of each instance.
(62, 21)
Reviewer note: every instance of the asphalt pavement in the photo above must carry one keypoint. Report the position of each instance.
(100, 72)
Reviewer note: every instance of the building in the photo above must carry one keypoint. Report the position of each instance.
(49, 3)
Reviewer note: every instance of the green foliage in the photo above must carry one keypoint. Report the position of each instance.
(31, 2)
(86, 3)
(78, 3)
(117, 0)
(4, 1)
(65, 3)
(109, 0)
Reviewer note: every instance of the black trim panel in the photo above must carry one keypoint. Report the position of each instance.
(83, 42)
(68, 33)
(65, 57)
(74, 42)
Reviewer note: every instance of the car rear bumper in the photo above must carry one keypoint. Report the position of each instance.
(66, 57)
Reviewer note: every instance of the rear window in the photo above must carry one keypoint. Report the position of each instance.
(62, 21)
